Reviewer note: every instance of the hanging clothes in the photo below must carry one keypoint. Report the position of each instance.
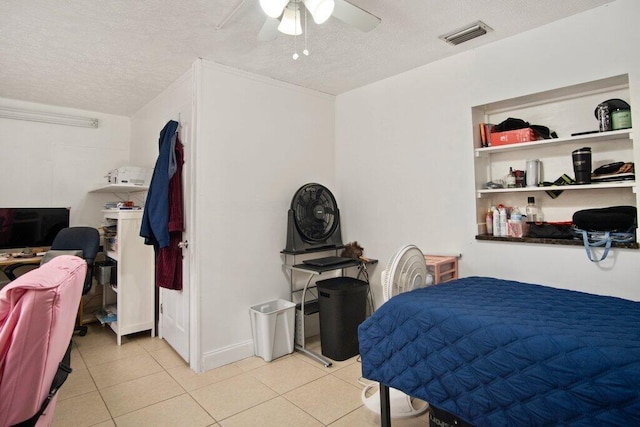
(169, 260)
(163, 216)
(155, 218)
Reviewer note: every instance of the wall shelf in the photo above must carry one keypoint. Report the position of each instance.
(560, 242)
(601, 186)
(591, 138)
(119, 188)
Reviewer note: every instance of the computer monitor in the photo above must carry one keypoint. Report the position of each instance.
(31, 227)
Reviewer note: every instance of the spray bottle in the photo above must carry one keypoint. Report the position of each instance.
(489, 220)
(502, 220)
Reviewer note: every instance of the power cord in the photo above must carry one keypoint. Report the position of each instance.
(365, 274)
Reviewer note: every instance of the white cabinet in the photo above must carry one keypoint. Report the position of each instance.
(567, 111)
(132, 291)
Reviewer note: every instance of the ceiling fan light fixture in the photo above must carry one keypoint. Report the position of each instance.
(290, 23)
(273, 8)
(320, 10)
(467, 33)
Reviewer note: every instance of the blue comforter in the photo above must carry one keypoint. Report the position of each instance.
(497, 353)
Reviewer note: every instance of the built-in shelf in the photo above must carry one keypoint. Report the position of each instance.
(119, 188)
(586, 139)
(562, 242)
(600, 186)
(566, 111)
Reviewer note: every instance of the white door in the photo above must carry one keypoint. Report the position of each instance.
(174, 305)
(174, 318)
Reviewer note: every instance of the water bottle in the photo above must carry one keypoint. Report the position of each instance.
(515, 223)
(532, 177)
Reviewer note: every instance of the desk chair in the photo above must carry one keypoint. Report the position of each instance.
(80, 241)
(36, 324)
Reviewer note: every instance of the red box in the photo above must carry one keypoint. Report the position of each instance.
(512, 137)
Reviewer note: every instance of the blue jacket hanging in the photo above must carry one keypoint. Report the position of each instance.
(155, 218)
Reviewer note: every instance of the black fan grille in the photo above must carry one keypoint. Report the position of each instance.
(314, 210)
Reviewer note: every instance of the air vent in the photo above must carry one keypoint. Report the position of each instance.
(467, 33)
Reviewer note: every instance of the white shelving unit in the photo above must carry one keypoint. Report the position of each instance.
(133, 290)
(565, 110)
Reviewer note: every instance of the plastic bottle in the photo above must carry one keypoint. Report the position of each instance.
(502, 221)
(534, 214)
(511, 179)
(515, 223)
(496, 222)
(516, 215)
(489, 220)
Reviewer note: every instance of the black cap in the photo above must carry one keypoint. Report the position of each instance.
(531, 199)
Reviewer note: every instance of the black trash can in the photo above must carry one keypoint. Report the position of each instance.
(343, 307)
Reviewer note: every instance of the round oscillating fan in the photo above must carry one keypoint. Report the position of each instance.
(407, 270)
(314, 209)
(314, 219)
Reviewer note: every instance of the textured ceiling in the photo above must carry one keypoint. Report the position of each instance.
(114, 56)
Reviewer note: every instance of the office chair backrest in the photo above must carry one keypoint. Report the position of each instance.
(37, 315)
(86, 239)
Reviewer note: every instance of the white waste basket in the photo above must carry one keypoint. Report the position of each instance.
(273, 325)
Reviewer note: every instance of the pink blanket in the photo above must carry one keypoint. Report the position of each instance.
(37, 316)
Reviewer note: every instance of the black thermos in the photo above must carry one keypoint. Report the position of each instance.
(582, 165)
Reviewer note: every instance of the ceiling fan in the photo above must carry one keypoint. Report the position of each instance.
(283, 16)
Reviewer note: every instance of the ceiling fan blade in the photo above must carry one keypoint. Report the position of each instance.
(269, 30)
(355, 16)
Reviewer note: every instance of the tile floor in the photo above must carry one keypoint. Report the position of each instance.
(145, 383)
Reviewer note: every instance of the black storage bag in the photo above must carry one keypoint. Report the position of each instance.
(602, 226)
(548, 230)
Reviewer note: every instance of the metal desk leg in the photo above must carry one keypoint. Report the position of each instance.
(301, 347)
(327, 363)
(385, 407)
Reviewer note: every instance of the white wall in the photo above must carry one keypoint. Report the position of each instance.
(404, 161)
(174, 103)
(50, 165)
(258, 141)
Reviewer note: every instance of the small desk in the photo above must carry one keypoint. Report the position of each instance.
(313, 270)
(7, 260)
(10, 260)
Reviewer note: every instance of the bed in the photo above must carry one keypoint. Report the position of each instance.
(491, 352)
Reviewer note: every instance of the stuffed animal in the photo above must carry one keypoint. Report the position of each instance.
(353, 250)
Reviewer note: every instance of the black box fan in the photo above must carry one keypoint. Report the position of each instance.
(313, 220)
